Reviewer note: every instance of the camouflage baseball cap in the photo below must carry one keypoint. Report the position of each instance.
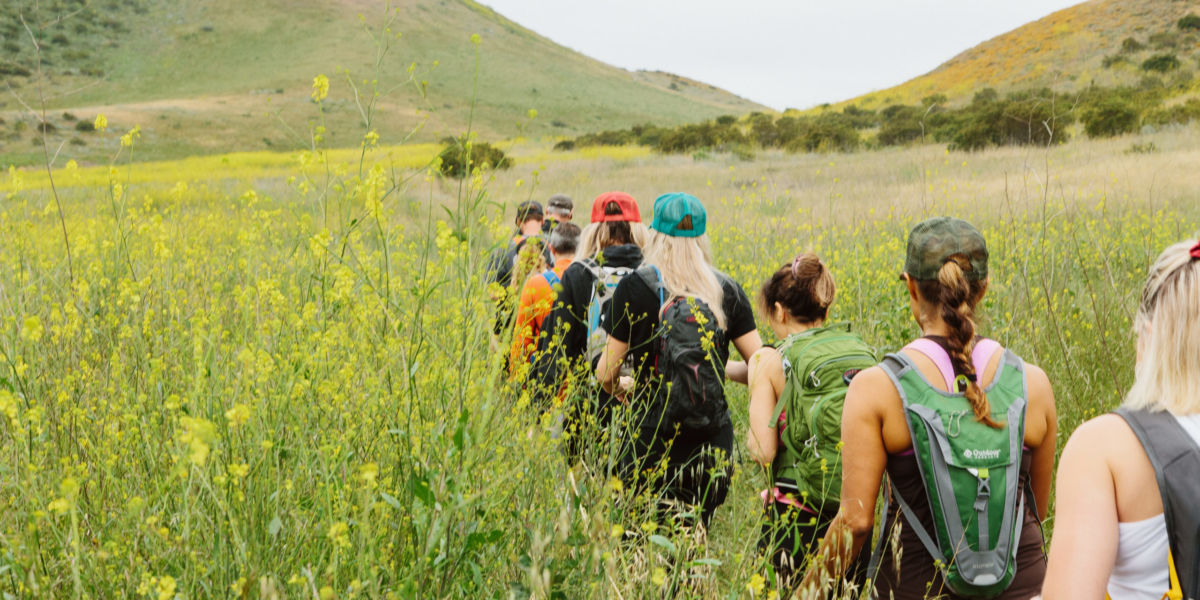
(932, 242)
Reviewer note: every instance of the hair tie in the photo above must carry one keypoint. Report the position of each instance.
(796, 264)
(964, 381)
(1194, 252)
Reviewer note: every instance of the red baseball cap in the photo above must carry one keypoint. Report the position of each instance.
(615, 206)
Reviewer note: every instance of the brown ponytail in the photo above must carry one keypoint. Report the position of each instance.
(803, 287)
(955, 297)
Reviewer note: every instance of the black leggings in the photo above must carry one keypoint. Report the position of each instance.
(697, 468)
(790, 535)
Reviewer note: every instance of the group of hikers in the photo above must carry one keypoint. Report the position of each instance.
(626, 330)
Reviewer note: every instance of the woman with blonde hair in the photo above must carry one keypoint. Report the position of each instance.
(1112, 532)
(673, 320)
(610, 247)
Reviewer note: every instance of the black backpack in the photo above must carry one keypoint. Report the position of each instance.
(1176, 460)
(691, 395)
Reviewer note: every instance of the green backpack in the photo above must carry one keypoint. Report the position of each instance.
(970, 473)
(818, 364)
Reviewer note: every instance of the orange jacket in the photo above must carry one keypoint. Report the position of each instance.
(537, 298)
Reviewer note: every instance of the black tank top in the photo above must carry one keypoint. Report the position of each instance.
(916, 577)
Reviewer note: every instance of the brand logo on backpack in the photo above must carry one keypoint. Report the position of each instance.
(977, 454)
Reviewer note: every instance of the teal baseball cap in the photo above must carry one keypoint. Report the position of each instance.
(679, 215)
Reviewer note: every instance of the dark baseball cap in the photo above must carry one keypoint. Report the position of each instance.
(932, 242)
(529, 209)
(560, 201)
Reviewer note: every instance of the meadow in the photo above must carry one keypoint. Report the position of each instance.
(268, 375)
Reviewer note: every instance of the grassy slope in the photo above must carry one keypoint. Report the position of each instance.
(210, 76)
(1064, 50)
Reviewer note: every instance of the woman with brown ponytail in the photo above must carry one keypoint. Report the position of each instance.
(797, 389)
(946, 277)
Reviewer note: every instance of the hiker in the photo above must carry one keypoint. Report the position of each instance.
(529, 219)
(796, 395)
(941, 418)
(676, 386)
(559, 209)
(610, 248)
(1112, 531)
(537, 297)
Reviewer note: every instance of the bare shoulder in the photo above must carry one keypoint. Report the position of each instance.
(1105, 435)
(1041, 392)
(872, 388)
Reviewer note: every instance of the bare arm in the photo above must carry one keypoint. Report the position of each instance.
(608, 369)
(1084, 548)
(766, 383)
(1041, 473)
(747, 344)
(864, 458)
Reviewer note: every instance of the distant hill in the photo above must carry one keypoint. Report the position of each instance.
(211, 76)
(1075, 47)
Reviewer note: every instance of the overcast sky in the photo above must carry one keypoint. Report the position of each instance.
(781, 53)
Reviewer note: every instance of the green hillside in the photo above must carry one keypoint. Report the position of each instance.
(205, 76)
(1101, 42)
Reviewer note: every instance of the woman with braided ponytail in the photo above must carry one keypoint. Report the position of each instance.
(954, 420)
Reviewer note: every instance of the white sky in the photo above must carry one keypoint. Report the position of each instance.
(781, 53)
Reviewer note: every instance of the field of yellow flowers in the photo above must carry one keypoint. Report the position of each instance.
(269, 376)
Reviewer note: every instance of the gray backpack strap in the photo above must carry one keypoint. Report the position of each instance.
(1176, 461)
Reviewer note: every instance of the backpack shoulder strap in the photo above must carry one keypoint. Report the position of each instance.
(1176, 461)
(551, 277)
(653, 279)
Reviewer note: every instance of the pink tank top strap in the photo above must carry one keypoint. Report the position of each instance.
(980, 356)
(934, 352)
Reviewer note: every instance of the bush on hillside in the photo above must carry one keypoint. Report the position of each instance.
(1131, 45)
(829, 132)
(1190, 22)
(1161, 63)
(1111, 115)
(901, 125)
(461, 156)
(1113, 60)
(1180, 114)
(860, 118)
(1164, 39)
(1031, 117)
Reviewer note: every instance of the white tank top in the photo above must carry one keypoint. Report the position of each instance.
(1140, 572)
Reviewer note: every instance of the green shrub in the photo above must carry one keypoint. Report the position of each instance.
(1131, 45)
(1164, 40)
(901, 125)
(1110, 116)
(1113, 60)
(1161, 63)
(7, 68)
(1190, 22)
(1180, 114)
(860, 118)
(565, 145)
(1147, 148)
(461, 156)
(85, 126)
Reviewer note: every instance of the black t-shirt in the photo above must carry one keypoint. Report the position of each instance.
(635, 307)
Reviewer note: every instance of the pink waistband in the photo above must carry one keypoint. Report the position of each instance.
(776, 494)
(980, 356)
